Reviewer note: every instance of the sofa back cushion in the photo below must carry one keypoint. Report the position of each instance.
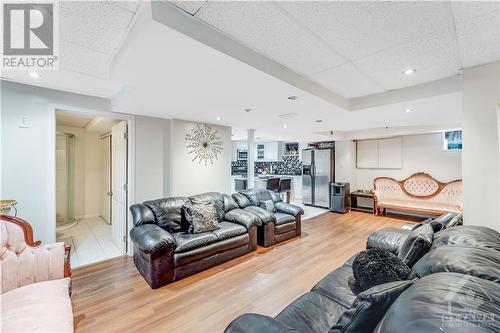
(229, 203)
(168, 213)
(369, 307)
(417, 244)
(468, 235)
(241, 200)
(216, 198)
(258, 195)
(445, 302)
(476, 261)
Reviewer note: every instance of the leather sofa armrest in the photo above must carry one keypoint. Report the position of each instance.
(390, 239)
(252, 323)
(290, 209)
(242, 217)
(142, 214)
(150, 238)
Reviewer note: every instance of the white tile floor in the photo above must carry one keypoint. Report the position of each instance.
(310, 211)
(90, 241)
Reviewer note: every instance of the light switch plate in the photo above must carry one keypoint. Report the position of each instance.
(23, 122)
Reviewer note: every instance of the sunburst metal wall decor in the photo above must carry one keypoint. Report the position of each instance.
(204, 144)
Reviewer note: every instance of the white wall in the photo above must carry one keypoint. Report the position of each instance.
(89, 172)
(481, 161)
(152, 160)
(420, 153)
(27, 166)
(188, 177)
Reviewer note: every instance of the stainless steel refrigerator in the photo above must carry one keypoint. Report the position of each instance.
(318, 167)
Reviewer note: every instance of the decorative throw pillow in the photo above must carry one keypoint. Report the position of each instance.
(369, 307)
(417, 244)
(376, 266)
(268, 205)
(201, 217)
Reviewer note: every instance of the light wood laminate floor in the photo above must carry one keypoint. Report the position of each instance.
(113, 297)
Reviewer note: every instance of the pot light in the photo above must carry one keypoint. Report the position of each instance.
(319, 121)
(34, 75)
(285, 126)
(408, 110)
(409, 71)
(248, 110)
(293, 97)
(218, 118)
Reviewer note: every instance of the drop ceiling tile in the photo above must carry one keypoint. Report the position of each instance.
(348, 81)
(434, 57)
(479, 39)
(96, 25)
(189, 6)
(76, 58)
(267, 29)
(357, 29)
(466, 10)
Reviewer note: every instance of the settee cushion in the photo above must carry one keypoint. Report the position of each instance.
(481, 262)
(282, 218)
(369, 307)
(424, 205)
(468, 235)
(336, 287)
(38, 307)
(445, 302)
(168, 213)
(312, 312)
(188, 241)
(417, 244)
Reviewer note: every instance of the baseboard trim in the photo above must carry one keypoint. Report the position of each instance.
(86, 216)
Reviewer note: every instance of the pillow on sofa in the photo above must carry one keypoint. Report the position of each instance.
(201, 217)
(268, 205)
(369, 307)
(417, 244)
(374, 267)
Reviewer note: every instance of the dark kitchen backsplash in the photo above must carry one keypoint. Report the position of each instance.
(291, 165)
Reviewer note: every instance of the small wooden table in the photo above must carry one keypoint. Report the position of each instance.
(363, 208)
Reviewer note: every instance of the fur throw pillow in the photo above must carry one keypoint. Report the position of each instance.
(375, 266)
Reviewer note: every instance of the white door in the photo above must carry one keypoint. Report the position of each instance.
(119, 184)
(106, 194)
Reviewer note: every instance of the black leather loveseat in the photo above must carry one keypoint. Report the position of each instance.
(165, 252)
(275, 227)
(454, 287)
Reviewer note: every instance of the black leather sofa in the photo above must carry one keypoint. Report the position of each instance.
(454, 287)
(276, 227)
(165, 252)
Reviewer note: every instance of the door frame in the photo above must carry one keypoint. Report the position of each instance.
(130, 119)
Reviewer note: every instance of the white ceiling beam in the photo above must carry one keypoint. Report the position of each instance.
(177, 19)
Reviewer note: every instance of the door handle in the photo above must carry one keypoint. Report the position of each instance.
(109, 194)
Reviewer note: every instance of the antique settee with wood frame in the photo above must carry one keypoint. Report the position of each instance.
(35, 282)
(420, 193)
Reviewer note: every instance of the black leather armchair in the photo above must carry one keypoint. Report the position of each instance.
(275, 227)
(165, 252)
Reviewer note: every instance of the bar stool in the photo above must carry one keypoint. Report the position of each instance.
(286, 187)
(273, 184)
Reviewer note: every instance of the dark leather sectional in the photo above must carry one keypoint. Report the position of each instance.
(455, 287)
(165, 252)
(276, 227)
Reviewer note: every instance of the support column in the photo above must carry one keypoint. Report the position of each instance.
(251, 157)
(480, 156)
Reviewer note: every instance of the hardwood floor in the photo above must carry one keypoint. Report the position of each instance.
(113, 297)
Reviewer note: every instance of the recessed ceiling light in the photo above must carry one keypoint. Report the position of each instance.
(218, 118)
(409, 71)
(408, 110)
(248, 110)
(34, 75)
(319, 121)
(285, 126)
(293, 97)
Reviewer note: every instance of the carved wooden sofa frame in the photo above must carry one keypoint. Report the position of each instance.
(420, 187)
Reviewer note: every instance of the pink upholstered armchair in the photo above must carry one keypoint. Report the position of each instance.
(34, 281)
